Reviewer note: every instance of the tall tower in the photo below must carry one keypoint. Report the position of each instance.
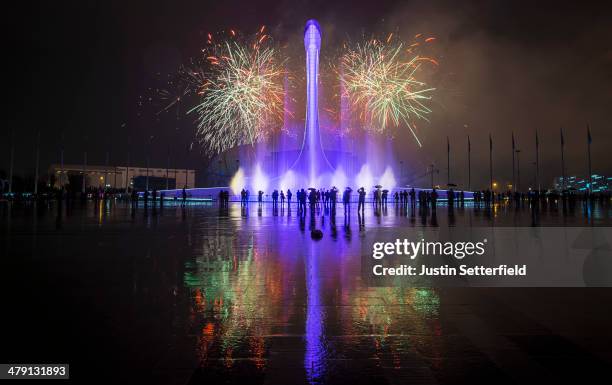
(311, 146)
(311, 161)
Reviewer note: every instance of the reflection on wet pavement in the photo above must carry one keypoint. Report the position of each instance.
(197, 295)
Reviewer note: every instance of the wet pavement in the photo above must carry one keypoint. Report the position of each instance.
(198, 295)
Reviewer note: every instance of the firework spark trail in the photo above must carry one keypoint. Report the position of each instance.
(238, 84)
(237, 89)
(172, 96)
(242, 94)
(382, 85)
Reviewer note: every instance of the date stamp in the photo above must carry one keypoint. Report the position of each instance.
(34, 371)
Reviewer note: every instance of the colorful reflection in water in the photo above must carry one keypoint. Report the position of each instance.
(314, 357)
(253, 284)
(244, 295)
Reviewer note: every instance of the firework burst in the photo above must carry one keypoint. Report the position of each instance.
(380, 79)
(239, 85)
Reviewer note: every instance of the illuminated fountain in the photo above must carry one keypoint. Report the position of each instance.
(351, 144)
(311, 165)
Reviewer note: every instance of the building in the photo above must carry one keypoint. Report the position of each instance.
(120, 177)
(600, 183)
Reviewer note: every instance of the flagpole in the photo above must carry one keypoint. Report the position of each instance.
(562, 161)
(61, 183)
(84, 167)
(12, 161)
(127, 167)
(469, 165)
(518, 170)
(107, 162)
(84, 172)
(37, 162)
(537, 143)
(589, 151)
(513, 164)
(490, 162)
(447, 161)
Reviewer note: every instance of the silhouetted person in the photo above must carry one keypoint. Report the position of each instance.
(275, 198)
(361, 204)
(333, 197)
(184, 196)
(289, 195)
(298, 197)
(134, 197)
(377, 197)
(312, 199)
(301, 200)
(434, 198)
(346, 197)
(487, 197)
(282, 198)
(304, 197)
(346, 200)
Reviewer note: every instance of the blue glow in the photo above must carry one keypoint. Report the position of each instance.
(318, 159)
(387, 180)
(364, 178)
(260, 180)
(312, 44)
(339, 179)
(314, 359)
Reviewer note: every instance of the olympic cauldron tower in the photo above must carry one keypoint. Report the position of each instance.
(312, 159)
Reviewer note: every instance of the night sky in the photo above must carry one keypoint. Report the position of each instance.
(81, 69)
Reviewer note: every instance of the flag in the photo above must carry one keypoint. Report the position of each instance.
(561, 131)
(469, 144)
(447, 144)
(589, 134)
(490, 143)
(537, 141)
(513, 142)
